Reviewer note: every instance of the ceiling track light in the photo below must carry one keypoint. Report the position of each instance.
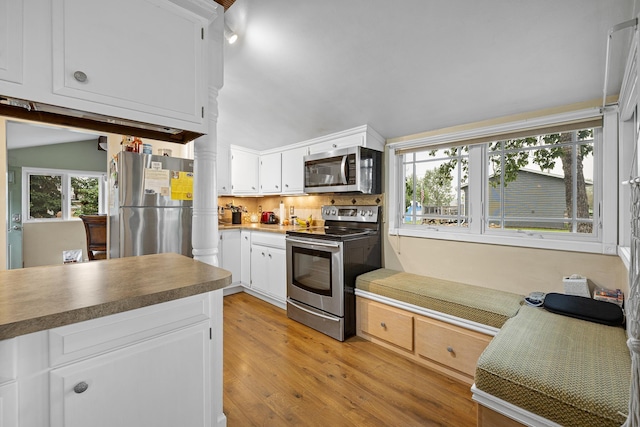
(229, 35)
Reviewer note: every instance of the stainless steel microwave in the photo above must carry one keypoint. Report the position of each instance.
(347, 170)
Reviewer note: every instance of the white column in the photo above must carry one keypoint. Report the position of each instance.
(205, 188)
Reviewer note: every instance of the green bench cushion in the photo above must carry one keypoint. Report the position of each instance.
(482, 305)
(570, 371)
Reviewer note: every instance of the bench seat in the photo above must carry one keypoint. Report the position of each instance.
(568, 371)
(478, 304)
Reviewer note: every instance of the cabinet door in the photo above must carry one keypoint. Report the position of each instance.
(230, 249)
(357, 139)
(223, 174)
(11, 22)
(270, 173)
(259, 268)
(160, 382)
(277, 273)
(293, 170)
(244, 172)
(245, 250)
(142, 55)
(9, 405)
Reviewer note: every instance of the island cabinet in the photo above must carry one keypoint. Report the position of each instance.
(150, 366)
(125, 342)
(142, 60)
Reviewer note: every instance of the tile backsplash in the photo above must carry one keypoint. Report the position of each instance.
(303, 206)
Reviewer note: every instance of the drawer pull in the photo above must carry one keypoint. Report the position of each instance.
(81, 387)
(450, 349)
(80, 76)
(384, 325)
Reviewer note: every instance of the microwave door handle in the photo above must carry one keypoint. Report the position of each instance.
(343, 170)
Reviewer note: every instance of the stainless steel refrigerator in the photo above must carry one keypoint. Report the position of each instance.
(151, 205)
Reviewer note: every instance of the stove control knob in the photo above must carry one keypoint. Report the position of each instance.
(370, 212)
(327, 211)
(334, 212)
(362, 213)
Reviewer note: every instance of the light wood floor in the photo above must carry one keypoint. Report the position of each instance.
(279, 372)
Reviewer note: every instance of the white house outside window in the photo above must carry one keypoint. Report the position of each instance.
(540, 187)
(57, 194)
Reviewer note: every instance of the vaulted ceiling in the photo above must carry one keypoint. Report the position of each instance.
(306, 68)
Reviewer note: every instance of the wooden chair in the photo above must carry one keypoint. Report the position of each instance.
(95, 227)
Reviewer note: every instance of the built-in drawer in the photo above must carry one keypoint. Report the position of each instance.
(386, 323)
(449, 345)
(91, 337)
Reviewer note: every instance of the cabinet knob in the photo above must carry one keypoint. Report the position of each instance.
(286, 185)
(450, 349)
(81, 387)
(269, 255)
(262, 253)
(253, 188)
(276, 186)
(80, 76)
(334, 145)
(384, 325)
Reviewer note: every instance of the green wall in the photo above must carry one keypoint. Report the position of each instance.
(82, 155)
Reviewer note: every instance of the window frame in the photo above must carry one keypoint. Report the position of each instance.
(66, 175)
(606, 240)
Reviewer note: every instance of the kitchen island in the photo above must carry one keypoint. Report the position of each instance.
(130, 342)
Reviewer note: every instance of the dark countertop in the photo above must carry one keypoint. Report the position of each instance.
(40, 298)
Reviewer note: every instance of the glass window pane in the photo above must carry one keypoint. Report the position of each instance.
(45, 196)
(542, 183)
(85, 196)
(436, 187)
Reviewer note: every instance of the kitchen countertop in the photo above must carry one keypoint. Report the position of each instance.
(271, 228)
(39, 298)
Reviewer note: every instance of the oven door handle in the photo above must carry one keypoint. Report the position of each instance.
(315, 313)
(314, 243)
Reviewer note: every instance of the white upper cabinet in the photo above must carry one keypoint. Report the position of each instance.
(223, 164)
(293, 170)
(11, 22)
(270, 173)
(363, 136)
(142, 55)
(244, 172)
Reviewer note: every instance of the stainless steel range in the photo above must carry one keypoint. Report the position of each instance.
(323, 263)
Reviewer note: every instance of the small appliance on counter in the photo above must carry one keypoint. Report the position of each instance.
(269, 218)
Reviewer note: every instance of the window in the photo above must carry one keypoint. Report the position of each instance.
(537, 183)
(434, 187)
(542, 184)
(54, 194)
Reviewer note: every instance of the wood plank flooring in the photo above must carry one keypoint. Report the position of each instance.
(278, 372)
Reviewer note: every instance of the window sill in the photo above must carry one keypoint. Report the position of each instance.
(529, 242)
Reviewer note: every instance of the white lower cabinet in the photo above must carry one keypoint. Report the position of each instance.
(245, 254)
(9, 405)
(159, 382)
(229, 253)
(268, 266)
(158, 366)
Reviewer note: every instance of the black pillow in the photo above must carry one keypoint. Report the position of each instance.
(583, 308)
